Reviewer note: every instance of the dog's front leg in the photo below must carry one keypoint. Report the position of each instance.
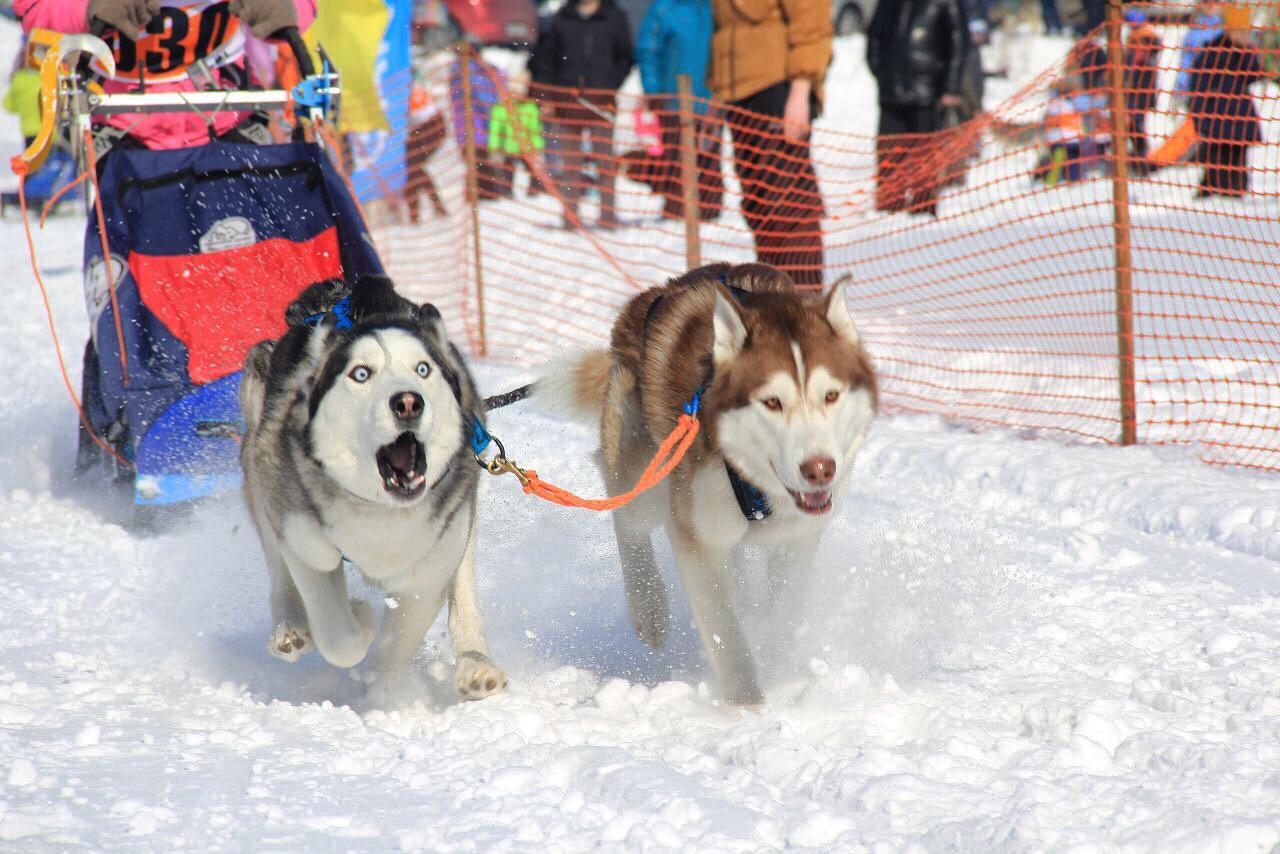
(342, 635)
(707, 575)
(290, 631)
(290, 634)
(477, 676)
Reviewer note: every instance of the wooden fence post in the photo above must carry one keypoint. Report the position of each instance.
(1120, 221)
(689, 173)
(473, 186)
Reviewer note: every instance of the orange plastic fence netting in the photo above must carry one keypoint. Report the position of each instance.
(985, 260)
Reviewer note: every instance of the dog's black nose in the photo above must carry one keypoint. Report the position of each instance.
(407, 405)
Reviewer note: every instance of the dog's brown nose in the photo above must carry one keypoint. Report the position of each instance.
(818, 471)
(406, 405)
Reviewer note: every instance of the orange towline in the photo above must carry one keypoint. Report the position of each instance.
(668, 456)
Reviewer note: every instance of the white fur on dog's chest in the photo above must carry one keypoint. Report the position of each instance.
(392, 547)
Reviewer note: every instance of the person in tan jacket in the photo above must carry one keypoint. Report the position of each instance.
(769, 59)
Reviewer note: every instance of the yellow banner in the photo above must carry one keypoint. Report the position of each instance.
(352, 33)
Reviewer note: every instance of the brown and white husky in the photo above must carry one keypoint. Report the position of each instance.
(787, 396)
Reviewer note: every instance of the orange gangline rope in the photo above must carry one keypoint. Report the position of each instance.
(668, 456)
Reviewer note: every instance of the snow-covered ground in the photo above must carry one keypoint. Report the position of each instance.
(1011, 645)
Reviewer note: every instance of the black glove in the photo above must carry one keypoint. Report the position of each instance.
(129, 17)
(265, 17)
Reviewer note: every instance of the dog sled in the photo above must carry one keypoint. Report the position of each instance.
(191, 256)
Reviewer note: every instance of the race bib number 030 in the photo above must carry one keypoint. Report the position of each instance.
(179, 35)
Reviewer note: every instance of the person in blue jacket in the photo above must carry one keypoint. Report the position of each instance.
(1206, 25)
(675, 39)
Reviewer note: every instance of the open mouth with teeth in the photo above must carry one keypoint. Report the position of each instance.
(403, 466)
(815, 502)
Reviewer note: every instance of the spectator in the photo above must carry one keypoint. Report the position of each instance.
(23, 99)
(675, 39)
(137, 28)
(1222, 108)
(1095, 14)
(973, 87)
(770, 58)
(485, 81)
(1065, 130)
(1090, 61)
(1052, 20)
(1206, 25)
(918, 51)
(515, 133)
(427, 133)
(585, 54)
(1141, 64)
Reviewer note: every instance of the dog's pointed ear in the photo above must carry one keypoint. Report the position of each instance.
(428, 317)
(316, 298)
(836, 310)
(730, 332)
(374, 295)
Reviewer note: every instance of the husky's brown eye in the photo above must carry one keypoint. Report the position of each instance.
(772, 404)
(832, 396)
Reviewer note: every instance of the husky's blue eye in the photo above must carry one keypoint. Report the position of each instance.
(424, 369)
(360, 373)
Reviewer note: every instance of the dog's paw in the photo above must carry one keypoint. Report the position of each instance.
(289, 642)
(477, 678)
(747, 697)
(649, 616)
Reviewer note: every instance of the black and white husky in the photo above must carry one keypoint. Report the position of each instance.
(357, 447)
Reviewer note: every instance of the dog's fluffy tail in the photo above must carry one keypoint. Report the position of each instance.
(573, 387)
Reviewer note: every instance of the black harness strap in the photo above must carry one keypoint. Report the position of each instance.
(516, 395)
(751, 501)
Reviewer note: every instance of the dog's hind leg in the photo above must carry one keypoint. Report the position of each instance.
(646, 593)
(477, 676)
(622, 443)
(342, 629)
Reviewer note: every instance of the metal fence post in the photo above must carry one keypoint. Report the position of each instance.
(473, 186)
(689, 173)
(1120, 220)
